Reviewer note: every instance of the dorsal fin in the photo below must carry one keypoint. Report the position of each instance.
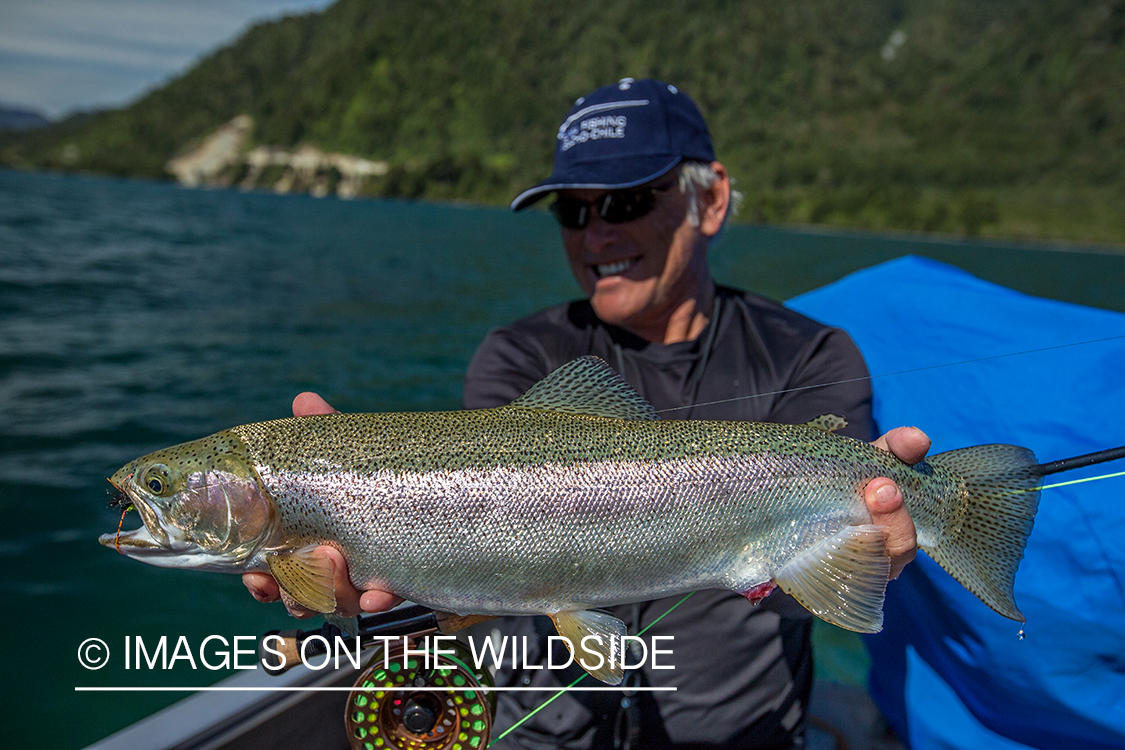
(586, 385)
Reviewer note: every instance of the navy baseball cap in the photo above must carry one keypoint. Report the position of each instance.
(623, 135)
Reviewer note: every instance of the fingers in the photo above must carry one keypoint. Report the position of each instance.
(378, 601)
(884, 502)
(350, 601)
(262, 586)
(884, 499)
(908, 443)
(308, 404)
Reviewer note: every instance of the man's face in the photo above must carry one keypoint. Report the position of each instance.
(639, 272)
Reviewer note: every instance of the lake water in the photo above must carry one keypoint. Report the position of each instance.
(135, 315)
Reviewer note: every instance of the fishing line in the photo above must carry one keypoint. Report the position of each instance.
(581, 677)
(1080, 481)
(537, 710)
(890, 374)
(117, 539)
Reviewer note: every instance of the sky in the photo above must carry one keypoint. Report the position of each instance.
(61, 56)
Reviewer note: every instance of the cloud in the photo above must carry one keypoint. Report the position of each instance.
(56, 87)
(61, 55)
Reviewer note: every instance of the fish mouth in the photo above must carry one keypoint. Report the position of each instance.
(150, 537)
(137, 540)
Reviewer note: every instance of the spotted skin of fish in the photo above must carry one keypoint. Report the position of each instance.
(574, 497)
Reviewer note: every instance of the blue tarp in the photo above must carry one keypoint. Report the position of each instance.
(947, 671)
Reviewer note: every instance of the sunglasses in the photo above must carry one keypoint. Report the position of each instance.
(616, 207)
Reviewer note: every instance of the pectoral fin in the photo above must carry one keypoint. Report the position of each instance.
(842, 579)
(594, 639)
(305, 577)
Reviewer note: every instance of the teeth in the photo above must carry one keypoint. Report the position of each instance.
(608, 269)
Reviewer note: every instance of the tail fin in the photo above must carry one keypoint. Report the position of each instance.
(983, 541)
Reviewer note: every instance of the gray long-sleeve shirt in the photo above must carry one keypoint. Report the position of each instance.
(743, 673)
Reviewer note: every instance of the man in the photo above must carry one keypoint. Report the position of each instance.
(639, 197)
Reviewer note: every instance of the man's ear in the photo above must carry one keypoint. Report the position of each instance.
(715, 202)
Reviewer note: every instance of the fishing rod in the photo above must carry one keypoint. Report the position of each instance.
(1080, 462)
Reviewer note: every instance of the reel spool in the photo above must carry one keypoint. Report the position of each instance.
(385, 710)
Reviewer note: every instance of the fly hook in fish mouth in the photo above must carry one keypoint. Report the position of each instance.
(118, 499)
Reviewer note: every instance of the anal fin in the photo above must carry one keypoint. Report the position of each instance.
(604, 647)
(306, 577)
(842, 579)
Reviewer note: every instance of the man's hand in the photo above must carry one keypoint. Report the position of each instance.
(350, 601)
(884, 499)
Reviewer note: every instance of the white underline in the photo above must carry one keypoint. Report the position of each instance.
(327, 689)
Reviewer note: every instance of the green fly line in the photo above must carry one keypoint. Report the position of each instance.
(1080, 481)
(580, 678)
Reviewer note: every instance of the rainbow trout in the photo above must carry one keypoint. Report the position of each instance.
(574, 496)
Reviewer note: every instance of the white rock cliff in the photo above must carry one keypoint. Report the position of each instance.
(222, 158)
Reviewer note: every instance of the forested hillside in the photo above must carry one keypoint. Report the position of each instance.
(1002, 117)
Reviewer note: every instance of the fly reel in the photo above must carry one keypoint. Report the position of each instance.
(387, 709)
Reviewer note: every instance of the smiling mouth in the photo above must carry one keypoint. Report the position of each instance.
(612, 269)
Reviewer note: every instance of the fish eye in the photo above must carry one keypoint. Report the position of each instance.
(156, 479)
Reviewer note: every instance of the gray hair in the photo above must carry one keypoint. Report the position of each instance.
(700, 175)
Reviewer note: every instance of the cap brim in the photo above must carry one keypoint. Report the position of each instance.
(609, 175)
